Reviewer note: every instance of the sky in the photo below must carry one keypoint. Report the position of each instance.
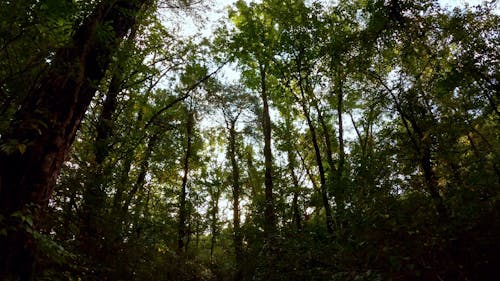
(218, 11)
(460, 3)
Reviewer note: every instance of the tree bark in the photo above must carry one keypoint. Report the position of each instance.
(42, 131)
(182, 231)
(94, 239)
(269, 215)
(296, 189)
(141, 178)
(339, 189)
(235, 171)
(422, 146)
(319, 161)
(328, 143)
(214, 220)
(322, 177)
(292, 165)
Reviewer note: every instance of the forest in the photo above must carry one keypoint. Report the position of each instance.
(296, 140)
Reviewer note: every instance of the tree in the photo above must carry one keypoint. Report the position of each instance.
(377, 119)
(252, 23)
(36, 142)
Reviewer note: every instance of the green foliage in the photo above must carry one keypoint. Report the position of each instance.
(413, 180)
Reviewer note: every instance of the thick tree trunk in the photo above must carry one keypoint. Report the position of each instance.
(431, 181)
(44, 128)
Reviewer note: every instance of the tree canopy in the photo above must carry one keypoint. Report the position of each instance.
(300, 140)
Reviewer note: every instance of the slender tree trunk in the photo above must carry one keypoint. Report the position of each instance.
(182, 228)
(322, 177)
(306, 168)
(122, 183)
(292, 165)
(42, 131)
(213, 222)
(328, 143)
(319, 161)
(364, 138)
(141, 178)
(269, 215)
(296, 190)
(252, 174)
(339, 189)
(189, 229)
(237, 235)
(333, 174)
(124, 175)
(422, 146)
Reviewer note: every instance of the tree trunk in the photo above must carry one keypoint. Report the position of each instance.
(141, 178)
(253, 175)
(42, 131)
(322, 177)
(307, 170)
(328, 143)
(319, 161)
(213, 221)
(269, 215)
(182, 228)
(237, 235)
(94, 238)
(124, 175)
(296, 189)
(339, 189)
(422, 146)
(292, 165)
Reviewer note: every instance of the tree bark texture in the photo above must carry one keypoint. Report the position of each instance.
(44, 127)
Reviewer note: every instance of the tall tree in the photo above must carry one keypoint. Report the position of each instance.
(41, 132)
(297, 66)
(183, 233)
(256, 33)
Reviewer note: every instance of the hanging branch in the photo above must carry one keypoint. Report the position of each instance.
(185, 96)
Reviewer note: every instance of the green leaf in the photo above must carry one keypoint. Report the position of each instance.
(21, 147)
